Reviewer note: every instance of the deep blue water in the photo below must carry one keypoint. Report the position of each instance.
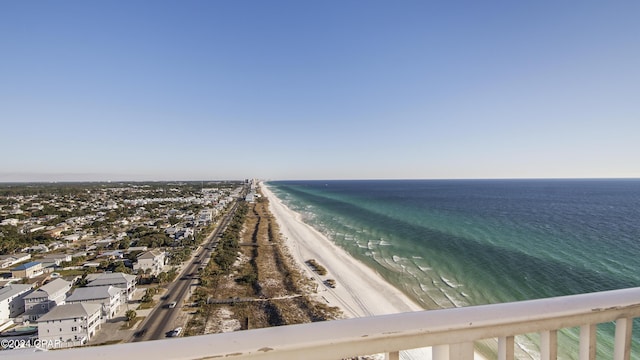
(469, 242)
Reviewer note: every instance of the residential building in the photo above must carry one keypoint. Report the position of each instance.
(27, 270)
(46, 298)
(70, 324)
(12, 300)
(205, 217)
(108, 297)
(56, 232)
(153, 260)
(113, 255)
(56, 259)
(137, 248)
(126, 283)
(40, 248)
(10, 260)
(9, 222)
(72, 238)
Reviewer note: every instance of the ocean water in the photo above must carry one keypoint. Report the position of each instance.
(451, 243)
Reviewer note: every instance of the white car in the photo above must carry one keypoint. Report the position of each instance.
(175, 332)
(172, 305)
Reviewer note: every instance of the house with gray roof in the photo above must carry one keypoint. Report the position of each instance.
(12, 259)
(12, 301)
(126, 282)
(69, 325)
(48, 296)
(53, 260)
(153, 260)
(108, 297)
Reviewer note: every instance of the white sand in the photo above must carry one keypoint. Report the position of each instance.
(359, 291)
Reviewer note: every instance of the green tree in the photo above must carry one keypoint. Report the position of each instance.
(130, 314)
(124, 244)
(162, 278)
(121, 268)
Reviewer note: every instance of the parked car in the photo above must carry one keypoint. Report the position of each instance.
(175, 332)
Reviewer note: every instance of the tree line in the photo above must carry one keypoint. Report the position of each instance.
(228, 247)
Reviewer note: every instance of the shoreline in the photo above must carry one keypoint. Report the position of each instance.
(369, 295)
(360, 291)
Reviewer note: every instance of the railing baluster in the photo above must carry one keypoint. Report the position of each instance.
(440, 352)
(588, 342)
(393, 355)
(463, 351)
(549, 345)
(505, 348)
(622, 349)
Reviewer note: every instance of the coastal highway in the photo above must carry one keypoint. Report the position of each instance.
(162, 319)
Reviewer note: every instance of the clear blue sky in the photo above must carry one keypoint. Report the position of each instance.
(165, 90)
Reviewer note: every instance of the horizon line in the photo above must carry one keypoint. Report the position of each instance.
(329, 179)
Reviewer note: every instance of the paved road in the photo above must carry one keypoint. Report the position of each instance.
(162, 319)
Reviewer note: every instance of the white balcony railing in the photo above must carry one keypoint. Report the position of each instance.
(450, 332)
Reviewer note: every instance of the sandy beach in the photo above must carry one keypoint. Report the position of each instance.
(359, 291)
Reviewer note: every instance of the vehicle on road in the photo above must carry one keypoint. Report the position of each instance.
(172, 305)
(175, 332)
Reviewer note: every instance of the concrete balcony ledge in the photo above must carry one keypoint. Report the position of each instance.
(389, 333)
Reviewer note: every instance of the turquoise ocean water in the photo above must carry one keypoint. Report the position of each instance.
(449, 243)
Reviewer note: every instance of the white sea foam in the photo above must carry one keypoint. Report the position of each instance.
(450, 283)
(439, 298)
(414, 272)
(452, 298)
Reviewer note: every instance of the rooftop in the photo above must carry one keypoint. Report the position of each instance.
(109, 279)
(150, 254)
(92, 293)
(12, 290)
(70, 311)
(25, 266)
(50, 288)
